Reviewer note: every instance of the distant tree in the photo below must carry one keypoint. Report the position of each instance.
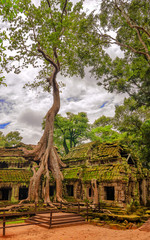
(130, 126)
(133, 123)
(70, 130)
(102, 130)
(2, 140)
(102, 121)
(12, 139)
(104, 134)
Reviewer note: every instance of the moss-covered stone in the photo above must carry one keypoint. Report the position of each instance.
(15, 175)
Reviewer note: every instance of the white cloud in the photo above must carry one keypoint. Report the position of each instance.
(29, 107)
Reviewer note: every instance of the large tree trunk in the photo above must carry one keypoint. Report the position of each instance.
(47, 154)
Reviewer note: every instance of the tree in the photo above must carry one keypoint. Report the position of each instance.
(12, 139)
(70, 130)
(102, 130)
(102, 121)
(130, 22)
(104, 134)
(133, 123)
(130, 126)
(2, 139)
(50, 35)
(8, 9)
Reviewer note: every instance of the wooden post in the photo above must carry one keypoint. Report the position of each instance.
(4, 222)
(50, 220)
(87, 211)
(78, 207)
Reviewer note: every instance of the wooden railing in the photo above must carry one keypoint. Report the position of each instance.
(79, 208)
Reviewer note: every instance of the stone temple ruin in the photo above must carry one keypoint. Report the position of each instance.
(94, 171)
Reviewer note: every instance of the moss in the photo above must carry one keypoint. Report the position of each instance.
(148, 212)
(116, 217)
(72, 173)
(95, 151)
(104, 172)
(15, 175)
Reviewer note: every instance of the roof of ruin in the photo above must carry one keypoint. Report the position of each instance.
(97, 151)
(102, 161)
(15, 175)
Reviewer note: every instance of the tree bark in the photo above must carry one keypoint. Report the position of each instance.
(95, 191)
(46, 153)
(65, 146)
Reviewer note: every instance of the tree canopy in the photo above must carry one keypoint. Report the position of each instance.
(70, 130)
(130, 23)
(12, 139)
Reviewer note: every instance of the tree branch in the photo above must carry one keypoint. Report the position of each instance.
(47, 57)
(136, 27)
(56, 56)
(124, 45)
(48, 2)
(64, 10)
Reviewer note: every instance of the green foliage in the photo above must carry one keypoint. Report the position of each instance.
(130, 126)
(102, 121)
(8, 10)
(104, 134)
(133, 123)
(2, 140)
(12, 139)
(61, 28)
(70, 130)
(130, 21)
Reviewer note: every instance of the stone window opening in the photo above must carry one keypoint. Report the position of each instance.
(51, 191)
(109, 193)
(5, 194)
(90, 192)
(70, 190)
(23, 193)
(3, 165)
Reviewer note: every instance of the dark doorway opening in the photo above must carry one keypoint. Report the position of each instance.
(109, 193)
(70, 190)
(23, 193)
(3, 165)
(5, 194)
(51, 191)
(90, 192)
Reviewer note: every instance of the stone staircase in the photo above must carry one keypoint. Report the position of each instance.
(57, 219)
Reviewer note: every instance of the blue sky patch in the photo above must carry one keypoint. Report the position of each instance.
(4, 125)
(103, 105)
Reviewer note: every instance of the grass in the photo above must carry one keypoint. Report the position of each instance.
(15, 221)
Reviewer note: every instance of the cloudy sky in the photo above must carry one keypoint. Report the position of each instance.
(23, 109)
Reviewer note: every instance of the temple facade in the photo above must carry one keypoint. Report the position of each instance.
(95, 172)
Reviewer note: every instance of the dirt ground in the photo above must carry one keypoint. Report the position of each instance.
(78, 232)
